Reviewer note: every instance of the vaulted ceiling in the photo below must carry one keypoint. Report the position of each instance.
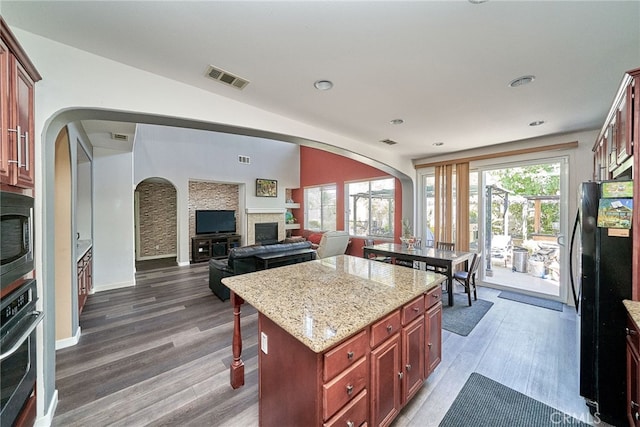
(442, 67)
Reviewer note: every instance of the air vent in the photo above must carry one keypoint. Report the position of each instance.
(226, 78)
(120, 137)
(389, 141)
(245, 160)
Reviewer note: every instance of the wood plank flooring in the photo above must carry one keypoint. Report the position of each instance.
(158, 354)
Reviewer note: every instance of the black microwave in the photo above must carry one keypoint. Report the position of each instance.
(16, 236)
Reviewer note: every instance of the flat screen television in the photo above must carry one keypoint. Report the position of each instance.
(215, 221)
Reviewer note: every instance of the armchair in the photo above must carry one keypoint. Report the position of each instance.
(332, 243)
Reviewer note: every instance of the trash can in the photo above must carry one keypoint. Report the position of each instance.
(520, 258)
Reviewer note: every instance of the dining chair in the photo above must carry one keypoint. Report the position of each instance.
(371, 242)
(468, 278)
(446, 246)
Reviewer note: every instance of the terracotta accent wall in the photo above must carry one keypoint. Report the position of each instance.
(319, 167)
(211, 195)
(157, 206)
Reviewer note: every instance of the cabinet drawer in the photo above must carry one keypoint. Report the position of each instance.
(433, 297)
(383, 329)
(345, 355)
(354, 414)
(343, 388)
(632, 334)
(412, 310)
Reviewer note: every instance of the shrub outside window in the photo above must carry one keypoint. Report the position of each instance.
(320, 208)
(371, 208)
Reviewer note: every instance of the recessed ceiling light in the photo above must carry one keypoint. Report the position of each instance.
(478, 1)
(536, 123)
(521, 81)
(388, 141)
(397, 121)
(323, 84)
(438, 144)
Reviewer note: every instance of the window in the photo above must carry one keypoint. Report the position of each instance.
(320, 208)
(371, 207)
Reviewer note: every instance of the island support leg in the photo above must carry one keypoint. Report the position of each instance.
(237, 366)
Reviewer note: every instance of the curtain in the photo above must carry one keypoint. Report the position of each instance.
(452, 226)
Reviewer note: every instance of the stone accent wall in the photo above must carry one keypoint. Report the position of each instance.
(258, 218)
(157, 204)
(211, 195)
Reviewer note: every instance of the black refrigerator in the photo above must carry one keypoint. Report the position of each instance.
(605, 212)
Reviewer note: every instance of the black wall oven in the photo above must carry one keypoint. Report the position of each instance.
(16, 237)
(18, 320)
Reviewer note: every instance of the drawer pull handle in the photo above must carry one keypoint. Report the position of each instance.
(389, 328)
(349, 389)
(435, 296)
(351, 424)
(416, 309)
(630, 331)
(350, 355)
(408, 368)
(634, 405)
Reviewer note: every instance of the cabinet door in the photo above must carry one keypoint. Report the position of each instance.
(5, 151)
(433, 329)
(633, 394)
(386, 375)
(413, 357)
(23, 120)
(624, 126)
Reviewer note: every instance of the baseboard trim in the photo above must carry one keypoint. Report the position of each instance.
(147, 258)
(112, 286)
(47, 419)
(69, 342)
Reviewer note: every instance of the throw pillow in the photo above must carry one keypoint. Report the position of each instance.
(315, 238)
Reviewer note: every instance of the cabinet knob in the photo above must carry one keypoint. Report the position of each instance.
(435, 296)
(350, 424)
(350, 355)
(416, 309)
(429, 345)
(408, 368)
(389, 328)
(400, 375)
(636, 416)
(349, 389)
(630, 331)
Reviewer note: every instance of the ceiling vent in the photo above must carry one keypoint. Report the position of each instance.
(120, 137)
(389, 141)
(244, 159)
(226, 78)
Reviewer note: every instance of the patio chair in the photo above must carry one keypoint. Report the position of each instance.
(468, 278)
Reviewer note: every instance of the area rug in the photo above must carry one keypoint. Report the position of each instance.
(485, 402)
(528, 299)
(461, 319)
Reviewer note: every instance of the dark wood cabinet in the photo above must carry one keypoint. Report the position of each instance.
(633, 373)
(413, 358)
(433, 330)
(386, 375)
(209, 246)
(18, 76)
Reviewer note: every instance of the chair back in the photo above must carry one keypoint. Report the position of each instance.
(369, 242)
(332, 243)
(446, 246)
(475, 263)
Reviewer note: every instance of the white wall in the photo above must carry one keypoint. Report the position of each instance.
(182, 155)
(113, 238)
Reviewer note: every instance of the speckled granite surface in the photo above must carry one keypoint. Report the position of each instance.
(633, 307)
(324, 301)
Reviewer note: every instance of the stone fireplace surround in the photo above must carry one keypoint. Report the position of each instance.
(262, 215)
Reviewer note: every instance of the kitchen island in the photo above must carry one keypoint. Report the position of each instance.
(343, 340)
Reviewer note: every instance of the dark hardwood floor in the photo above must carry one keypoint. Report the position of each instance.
(158, 354)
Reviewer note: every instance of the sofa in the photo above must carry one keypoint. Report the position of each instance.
(243, 260)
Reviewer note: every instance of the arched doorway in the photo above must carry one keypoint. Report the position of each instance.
(155, 222)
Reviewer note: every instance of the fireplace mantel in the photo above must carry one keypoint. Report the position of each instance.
(266, 210)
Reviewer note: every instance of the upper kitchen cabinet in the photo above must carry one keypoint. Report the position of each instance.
(17, 78)
(614, 149)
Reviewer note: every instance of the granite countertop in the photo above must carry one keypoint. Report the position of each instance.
(322, 302)
(633, 307)
(83, 246)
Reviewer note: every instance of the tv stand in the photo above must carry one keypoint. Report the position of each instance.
(206, 246)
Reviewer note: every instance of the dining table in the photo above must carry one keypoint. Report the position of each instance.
(444, 260)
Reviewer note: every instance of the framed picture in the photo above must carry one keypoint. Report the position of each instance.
(266, 188)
